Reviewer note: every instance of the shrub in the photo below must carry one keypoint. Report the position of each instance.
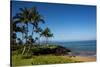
(50, 49)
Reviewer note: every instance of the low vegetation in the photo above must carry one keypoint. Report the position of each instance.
(41, 50)
(41, 54)
(42, 59)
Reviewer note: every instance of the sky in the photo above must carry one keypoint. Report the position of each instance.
(67, 22)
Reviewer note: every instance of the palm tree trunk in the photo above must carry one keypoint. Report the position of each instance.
(27, 32)
(24, 50)
(26, 40)
(39, 40)
(32, 32)
(27, 36)
(22, 44)
(46, 40)
(30, 44)
(22, 38)
(28, 49)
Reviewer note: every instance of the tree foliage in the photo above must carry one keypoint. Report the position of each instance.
(20, 23)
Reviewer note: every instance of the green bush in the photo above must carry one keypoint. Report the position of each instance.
(49, 49)
(41, 49)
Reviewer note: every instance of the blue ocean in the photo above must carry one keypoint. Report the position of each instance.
(80, 48)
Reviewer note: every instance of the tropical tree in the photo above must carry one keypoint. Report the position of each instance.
(47, 34)
(23, 16)
(36, 19)
(38, 31)
(27, 16)
(30, 41)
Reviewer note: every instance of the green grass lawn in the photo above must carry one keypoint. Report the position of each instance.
(37, 60)
(47, 55)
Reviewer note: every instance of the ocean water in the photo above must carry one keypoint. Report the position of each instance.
(80, 48)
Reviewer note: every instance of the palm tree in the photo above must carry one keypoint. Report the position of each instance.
(30, 41)
(23, 17)
(27, 16)
(38, 30)
(47, 34)
(36, 18)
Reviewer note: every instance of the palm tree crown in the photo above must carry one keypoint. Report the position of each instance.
(47, 34)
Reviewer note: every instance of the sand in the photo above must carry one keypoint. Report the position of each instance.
(84, 58)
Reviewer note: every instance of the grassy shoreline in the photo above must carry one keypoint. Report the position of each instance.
(43, 54)
(17, 60)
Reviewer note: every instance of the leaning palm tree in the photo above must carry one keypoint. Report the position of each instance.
(47, 34)
(30, 41)
(27, 16)
(36, 18)
(23, 17)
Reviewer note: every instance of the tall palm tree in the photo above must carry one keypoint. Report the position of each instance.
(36, 18)
(27, 16)
(23, 16)
(39, 31)
(47, 34)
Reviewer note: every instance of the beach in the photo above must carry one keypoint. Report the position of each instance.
(83, 58)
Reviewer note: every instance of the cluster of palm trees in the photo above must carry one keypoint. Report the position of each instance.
(20, 23)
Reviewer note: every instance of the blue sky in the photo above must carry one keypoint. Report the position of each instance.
(67, 22)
